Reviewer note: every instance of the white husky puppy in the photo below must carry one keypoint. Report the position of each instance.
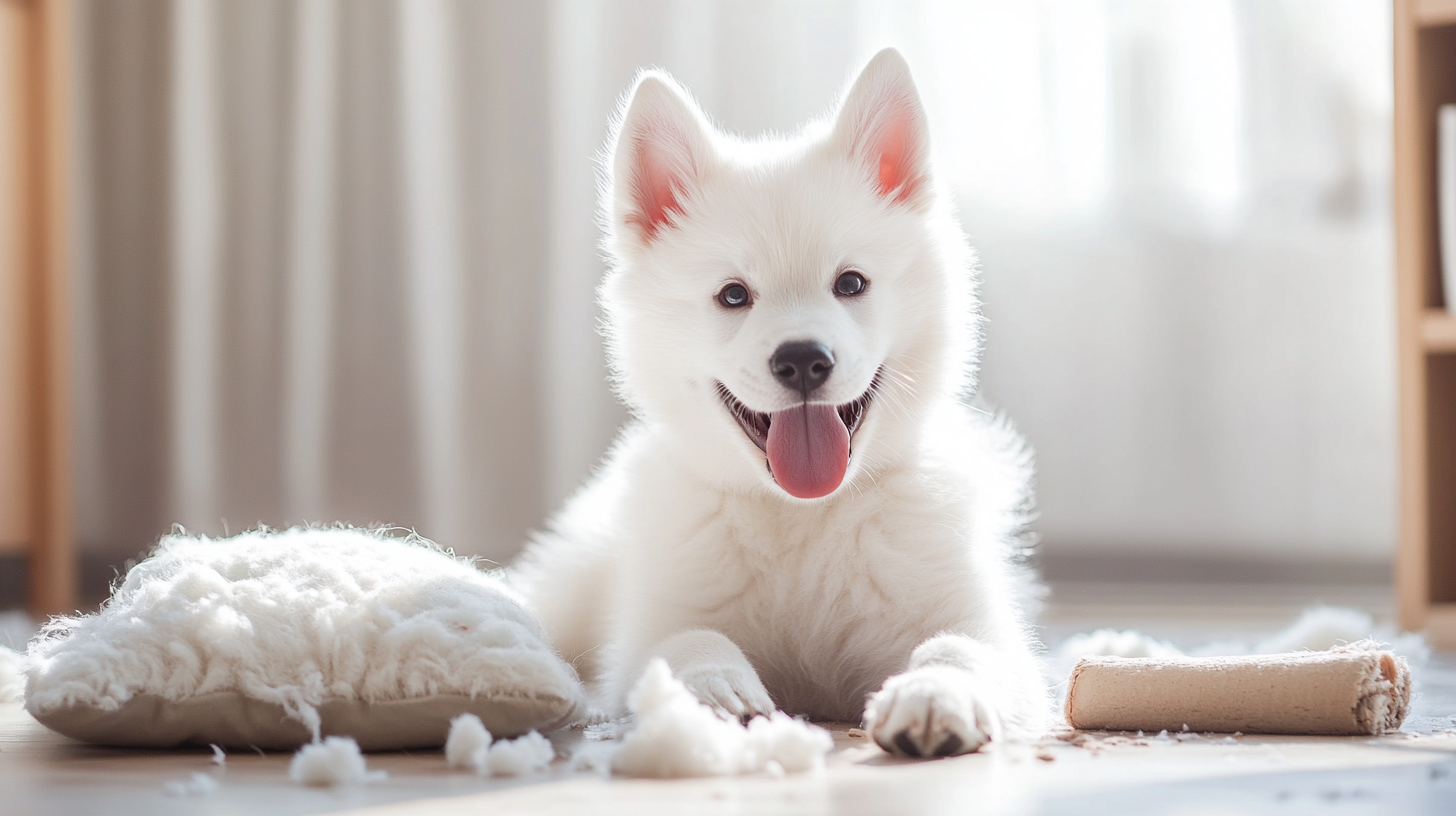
(805, 513)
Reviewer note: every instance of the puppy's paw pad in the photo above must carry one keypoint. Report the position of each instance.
(734, 692)
(931, 712)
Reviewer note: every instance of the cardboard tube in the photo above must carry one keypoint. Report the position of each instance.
(1349, 690)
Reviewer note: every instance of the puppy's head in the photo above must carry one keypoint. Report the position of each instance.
(787, 310)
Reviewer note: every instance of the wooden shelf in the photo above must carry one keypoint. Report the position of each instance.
(1438, 331)
(1432, 13)
(1425, 569)
(1441, 623)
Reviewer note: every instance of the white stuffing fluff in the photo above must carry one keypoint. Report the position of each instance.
(12, 675)
(676, 736)
(1115, 643)
(780, 744)
(333, 762)
(467, 744)
(297, 617)
(200, 784)
(1316, 629)
(1324, 627)
(531, 753)
(219, 756)
(592, 758)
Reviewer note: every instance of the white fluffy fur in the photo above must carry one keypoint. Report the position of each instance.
(297, 617)
(333, 762)
(676, 736)
(683, 547)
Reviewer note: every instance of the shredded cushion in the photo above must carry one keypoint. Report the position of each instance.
(277, 638)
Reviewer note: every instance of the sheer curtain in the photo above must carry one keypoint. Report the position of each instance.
(336, 260)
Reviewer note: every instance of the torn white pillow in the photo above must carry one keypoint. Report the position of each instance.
(275, 639)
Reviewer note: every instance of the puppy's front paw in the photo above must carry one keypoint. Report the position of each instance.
(734, 691)
(931, 711)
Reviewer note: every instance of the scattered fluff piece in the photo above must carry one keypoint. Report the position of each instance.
(467, 744)
(219, 756)
(199, 785)
(782, 742)
(12, 675)
(16, 628)
(1115, 643)
(1317, 629)
(592, 757)
(676, 736)
(298, 618)
(529, 754)
(1325, 627)
(335, 761)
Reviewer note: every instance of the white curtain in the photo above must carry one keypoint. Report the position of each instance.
(336, 258)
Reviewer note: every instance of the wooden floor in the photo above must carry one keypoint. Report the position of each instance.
(1413, 772)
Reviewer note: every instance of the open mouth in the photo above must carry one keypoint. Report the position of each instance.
(807, 445)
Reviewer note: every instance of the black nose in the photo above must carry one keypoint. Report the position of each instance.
(802, 365)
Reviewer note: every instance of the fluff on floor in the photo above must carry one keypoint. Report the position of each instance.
(199, 784)
(333, 762)
(470, 746)
(12, 675)
(676, 736)
(1316, 629)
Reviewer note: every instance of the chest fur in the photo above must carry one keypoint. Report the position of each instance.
(824, 604)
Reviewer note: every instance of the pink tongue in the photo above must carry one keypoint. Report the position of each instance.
(808, 449)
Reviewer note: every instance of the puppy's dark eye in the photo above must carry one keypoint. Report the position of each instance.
(733, 296)
(850, 283)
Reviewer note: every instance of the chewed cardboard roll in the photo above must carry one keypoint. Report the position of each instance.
(1349, 690)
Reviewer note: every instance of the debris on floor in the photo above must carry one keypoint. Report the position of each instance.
(468, 744)
(677, 736)
(529, 754)
(199, 784)
(335, 761)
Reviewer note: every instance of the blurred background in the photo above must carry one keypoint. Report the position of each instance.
(335, 260)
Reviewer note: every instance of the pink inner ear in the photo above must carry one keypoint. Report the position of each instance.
(895, 146)
(656, 183)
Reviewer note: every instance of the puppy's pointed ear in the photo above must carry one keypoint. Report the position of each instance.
(882, 124)
(661, 150)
